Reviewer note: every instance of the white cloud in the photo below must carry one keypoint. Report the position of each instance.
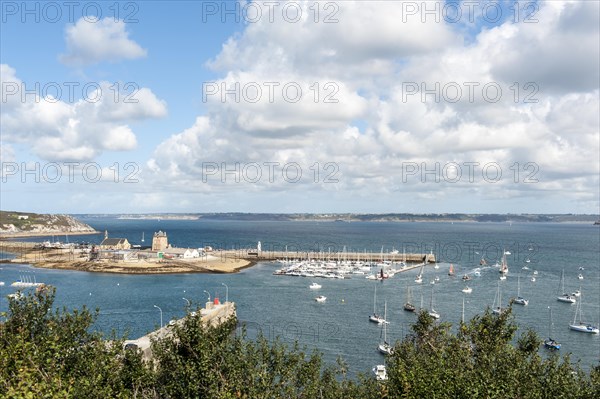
(374, 130)
(57, 130)
(90, 41)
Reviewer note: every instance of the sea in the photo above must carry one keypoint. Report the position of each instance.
(283, 307)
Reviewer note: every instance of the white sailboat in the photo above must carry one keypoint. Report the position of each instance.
(375, 318)
(432, 311)
(142, 236)
(568, 298)
(580, 325)
(519, 300)
(384, 347)
(497, 310)
(504, 264)
(419, 278)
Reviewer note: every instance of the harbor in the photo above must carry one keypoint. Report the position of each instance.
(286, 306)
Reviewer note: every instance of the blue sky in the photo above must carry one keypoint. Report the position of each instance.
(362, 133)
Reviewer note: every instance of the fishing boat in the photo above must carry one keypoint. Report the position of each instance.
(384, 347)
(375, 318)
(551, 343)
(451, 270)
(568, 298)
(321, 298)
(519, 300)
(432, 311)
(580, 325)
(408, 306)
(380, 372)
(314, 286)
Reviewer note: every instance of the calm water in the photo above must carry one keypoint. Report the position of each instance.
(284, 306)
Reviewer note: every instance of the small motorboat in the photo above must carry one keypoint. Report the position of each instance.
(380, 372)
(467, 290)
(580, 276)
(321, 298)
(315, 286)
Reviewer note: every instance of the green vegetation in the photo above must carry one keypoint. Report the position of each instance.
(53, 354)
(17, 222)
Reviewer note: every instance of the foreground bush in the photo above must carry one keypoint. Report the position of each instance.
(54, 354)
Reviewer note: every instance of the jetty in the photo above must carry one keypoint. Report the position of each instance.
(214, 313)
(330, 256)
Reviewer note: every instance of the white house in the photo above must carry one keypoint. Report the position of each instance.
(191, 253)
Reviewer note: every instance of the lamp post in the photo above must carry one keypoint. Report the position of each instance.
(188, 302)
(208, 293)
(161, 319)
(226, 292)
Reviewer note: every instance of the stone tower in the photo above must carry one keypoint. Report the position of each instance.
(160, 241)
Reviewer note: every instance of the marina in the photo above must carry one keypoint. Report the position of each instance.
(285, 306)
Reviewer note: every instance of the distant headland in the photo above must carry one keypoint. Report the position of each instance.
(27, 224)
(362, 217)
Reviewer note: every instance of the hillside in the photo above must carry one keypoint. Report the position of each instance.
(23, 223)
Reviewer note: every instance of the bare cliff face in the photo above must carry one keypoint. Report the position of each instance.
(19, 223)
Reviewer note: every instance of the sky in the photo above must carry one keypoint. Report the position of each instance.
(300, 106)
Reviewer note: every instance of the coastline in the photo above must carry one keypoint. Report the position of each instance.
(8, 236)
(67, 259)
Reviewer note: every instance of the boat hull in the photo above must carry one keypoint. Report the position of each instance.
(585, 328)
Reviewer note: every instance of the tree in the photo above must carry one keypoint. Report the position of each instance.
(54, 354)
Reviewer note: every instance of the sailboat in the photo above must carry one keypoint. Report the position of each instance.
(375, 318)
(384, 347)
(419, 278)
(551, 343)
(581, 326)
(498, 309)
(451, 271)
(142, 236)
(564, 297)
(504, 264)
(520, 300)
(408, 306)
(432, 311)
